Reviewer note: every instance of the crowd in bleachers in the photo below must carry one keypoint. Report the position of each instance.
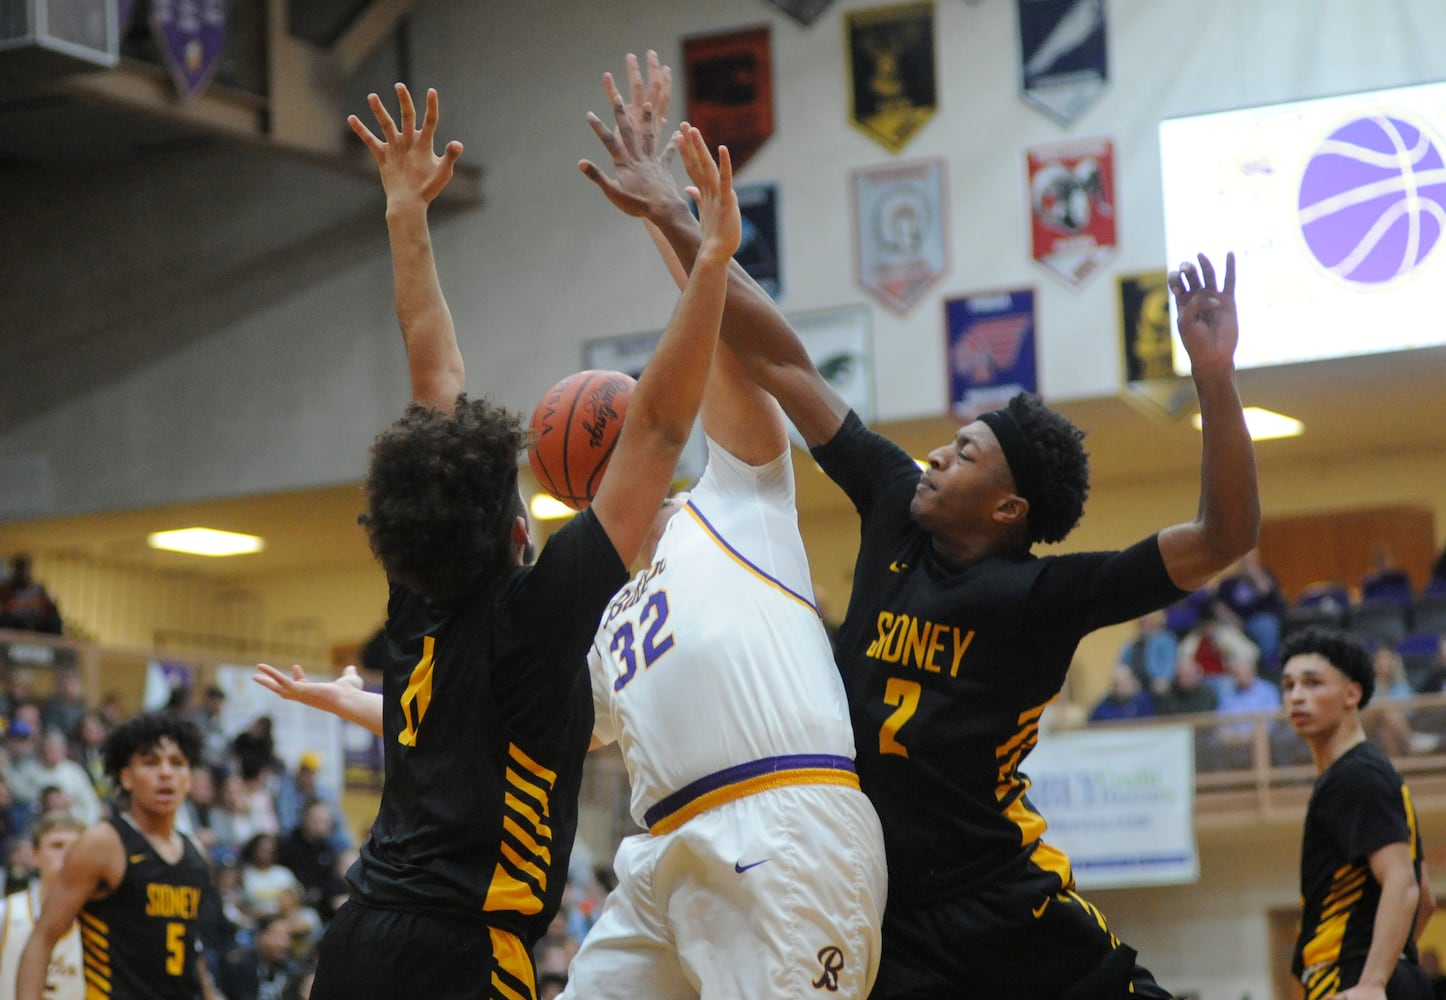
(1218, 651)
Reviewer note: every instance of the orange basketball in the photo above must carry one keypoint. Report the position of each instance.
(574, 430)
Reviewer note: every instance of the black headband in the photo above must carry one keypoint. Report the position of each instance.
(1019, 452)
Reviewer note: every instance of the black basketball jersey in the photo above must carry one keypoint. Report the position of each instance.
(486, 720)
(1359, 805)
(948, 669)
(142, 942)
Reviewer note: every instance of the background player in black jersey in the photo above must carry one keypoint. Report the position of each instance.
(957, 636)
(133, 882)
(487, 710)
(1365, 890)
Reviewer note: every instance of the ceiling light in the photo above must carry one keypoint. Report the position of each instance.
(1265, 424)
(545, 508)
(205, 542)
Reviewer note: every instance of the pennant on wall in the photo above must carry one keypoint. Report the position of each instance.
(899, 216)
(1150, 378)
(990, 340)
(805, 12)
(730, 90)
(191, 35)
(1062, 55)
(891, 71)
(1072, 207)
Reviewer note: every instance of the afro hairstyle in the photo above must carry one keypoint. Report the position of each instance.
(143, 733)
(442, 496)
(1064, 468)
(1340, 649)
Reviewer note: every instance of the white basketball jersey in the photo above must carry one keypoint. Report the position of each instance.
(715, 655)
(65, 980)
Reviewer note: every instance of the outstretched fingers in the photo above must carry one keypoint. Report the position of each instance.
(431, 118)
(383, 116)
(365, 135)
(625, 132)
(408, 109)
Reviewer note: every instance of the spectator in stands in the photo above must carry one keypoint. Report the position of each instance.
(56, 769)
(1216, 642)
(296, 790)
(310, 852)
(15, 819)
(1386, 725)
(232, 819)
(1125, 699)
(271, 970)
(1253, 595)
(1188, 693)
(195, 815)
(65, 707)
(1387, 581)
(24, 602)
(263, 877)
(1247, 692)
(215, 745)
(1438, 569)
(90, 753)
(1151, 654)
(23, 750)
(255, 750)
(19, 692)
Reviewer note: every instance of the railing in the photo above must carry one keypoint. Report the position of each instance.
(1254, 768)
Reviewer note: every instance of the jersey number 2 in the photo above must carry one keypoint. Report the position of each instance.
(904, 694)
(654, 644)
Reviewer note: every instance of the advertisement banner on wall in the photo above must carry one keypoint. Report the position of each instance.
(1120, 803)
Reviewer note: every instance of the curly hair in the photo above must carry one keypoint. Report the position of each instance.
(442, 495)
(1064, 476)
(1340, 649)
(144, 733)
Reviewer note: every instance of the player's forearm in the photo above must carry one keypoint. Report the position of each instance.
(1395, 916)
(1229, 493)
(34, 965)
(433, 358)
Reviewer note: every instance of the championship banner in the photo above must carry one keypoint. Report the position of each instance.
(839, 343)
(729, 81)
(1150, 379)
(758, 250)
(1120, 803)
(1062, 55)
(900, 245)
(1072, 207)
(805, 12)
(630, 354)
(990, 341)
(191, 35)
(891, 71)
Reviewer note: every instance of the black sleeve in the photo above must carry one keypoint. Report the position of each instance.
(1363, 810)
(563, 595)
(1106, 588)
(868, 467)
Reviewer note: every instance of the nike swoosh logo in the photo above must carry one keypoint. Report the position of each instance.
(137, 858)
(897, 567)
(740, 867)
(1040, 909)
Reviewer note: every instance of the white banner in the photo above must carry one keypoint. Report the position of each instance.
(1120, 803)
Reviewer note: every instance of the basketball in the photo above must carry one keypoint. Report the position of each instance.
(574, 430)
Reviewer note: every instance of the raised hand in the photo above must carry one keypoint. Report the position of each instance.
(1208, 325)
(712, 189)
(405, 156)
(642, 184)
(295, 686)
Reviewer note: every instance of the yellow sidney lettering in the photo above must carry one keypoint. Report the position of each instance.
(178, 901)
(918, 643)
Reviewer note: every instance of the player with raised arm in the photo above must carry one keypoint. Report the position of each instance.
(957, 636)
(486, 709)
(133, 882)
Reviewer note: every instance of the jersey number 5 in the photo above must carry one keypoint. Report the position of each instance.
(904, 694)
(175, 948)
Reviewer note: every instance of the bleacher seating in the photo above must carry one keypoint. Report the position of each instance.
(1431, 611)
(1418, 656)
(1383, 619)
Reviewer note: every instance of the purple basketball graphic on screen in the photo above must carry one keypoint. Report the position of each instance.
(1373, 200)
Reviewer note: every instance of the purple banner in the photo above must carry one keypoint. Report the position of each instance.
(991, 350)
(191, 35)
